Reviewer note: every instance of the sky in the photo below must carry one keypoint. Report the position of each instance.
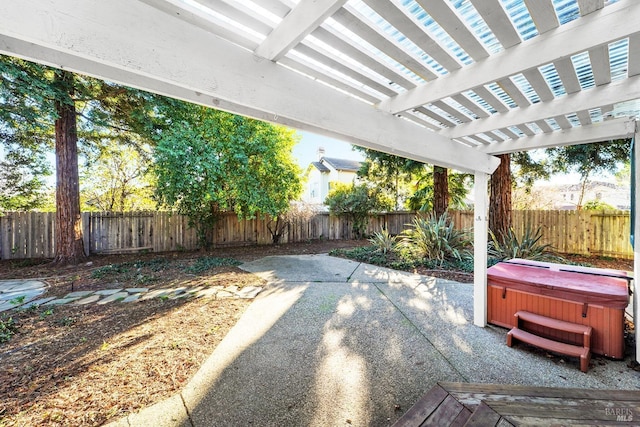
(306, 151)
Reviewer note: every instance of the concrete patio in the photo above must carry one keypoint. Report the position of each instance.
(336, 342)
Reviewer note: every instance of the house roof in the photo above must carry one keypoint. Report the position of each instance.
(342, 164)
(320, 167)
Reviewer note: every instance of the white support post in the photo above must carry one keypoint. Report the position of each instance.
(480, 229)
(636, 249)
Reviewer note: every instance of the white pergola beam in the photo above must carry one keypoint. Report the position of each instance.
(543, 14)
(619, 91)
(497, 19)
(614, 22)
(590, 6)
(300, 22)
(149, 49)
(448, 19)
(595, 132)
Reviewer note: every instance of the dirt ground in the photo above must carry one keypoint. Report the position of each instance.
(88, 365)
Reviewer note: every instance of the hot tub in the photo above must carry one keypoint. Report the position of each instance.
(588, 296)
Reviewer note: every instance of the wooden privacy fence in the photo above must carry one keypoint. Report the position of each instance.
(31, 234)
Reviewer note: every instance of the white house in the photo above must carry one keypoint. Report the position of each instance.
(320, 176)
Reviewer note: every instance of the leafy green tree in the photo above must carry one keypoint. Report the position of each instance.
(356, 203)
(389, 173)
(116, 178)
(597, 205)
(42, 107)
(210, 162)
(22, 173)
(587, 159)
(425, 194)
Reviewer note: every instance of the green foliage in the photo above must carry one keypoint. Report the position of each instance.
(368, 254)
(210, 161)
(423, 196)
(597, 205)
(393, 175)
(110, 270)
(356, 203)
(384, 242)
(207, 263)
(115, 178)
(436, 238)
(527, 247)
(8, 328)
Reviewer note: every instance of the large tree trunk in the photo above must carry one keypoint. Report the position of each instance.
(500, 202)
(440, 191)
(68, 229)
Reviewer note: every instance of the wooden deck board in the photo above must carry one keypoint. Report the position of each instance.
(444, 414)
(460, 404)
(419, 412)
(483, 416)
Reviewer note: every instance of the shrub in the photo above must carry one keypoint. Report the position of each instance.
(436, 238)
(384, 242)
(8, 328)
(528, 247)
(356, 203)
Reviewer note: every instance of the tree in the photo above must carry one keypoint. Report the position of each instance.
(22, 185)
(68, 228)
(500, 199)
(116, 178)
(210, 162)
(425, 192)
(356, 203)
(389, 173)
(587, 159)
(42, 107)
(440, 191)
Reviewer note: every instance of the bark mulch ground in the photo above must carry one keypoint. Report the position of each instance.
(87, 365)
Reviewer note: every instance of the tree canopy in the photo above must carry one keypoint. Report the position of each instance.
(210, 161)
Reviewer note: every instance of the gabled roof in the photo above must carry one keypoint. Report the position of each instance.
(320, 167)
(342, 164)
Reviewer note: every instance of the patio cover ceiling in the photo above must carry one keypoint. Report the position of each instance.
(448, 82)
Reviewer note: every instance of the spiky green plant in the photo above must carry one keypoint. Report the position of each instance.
(528, 246)
(436, 238)
(384, 242)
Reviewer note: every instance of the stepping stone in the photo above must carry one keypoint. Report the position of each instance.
(211, 292)
(61, 301)
(224, 294)
(79, 294)
(16, 285)
(37, 302)
(108, 291)
(15, 296)
(194, 290)
(132, 298)
(88, 300)
(249, 292)
(137, 290)
(6, 306)
(156, 294)
(114, 297)
(233, 289)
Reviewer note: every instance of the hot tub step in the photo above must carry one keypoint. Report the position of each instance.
(583, 351)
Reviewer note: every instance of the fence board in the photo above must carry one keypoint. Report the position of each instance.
(31, 234)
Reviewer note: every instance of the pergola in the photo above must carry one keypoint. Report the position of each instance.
(447, 82)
